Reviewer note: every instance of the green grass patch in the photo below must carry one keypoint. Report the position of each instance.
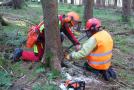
(53, 74)
(125, 75)
(46, 86)
(18, 70)
(5, 80)
(40, 69)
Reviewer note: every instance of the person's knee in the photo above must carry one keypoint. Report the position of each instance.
(17, 53)
(91, 69)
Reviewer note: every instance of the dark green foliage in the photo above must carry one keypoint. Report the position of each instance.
(2, 61)
(37, 87)
(40, 69)
(50, 87)
(125, 18)
(53, 75)
(49, 56)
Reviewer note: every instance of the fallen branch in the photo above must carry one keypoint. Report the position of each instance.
(70, 65)
(4, 69)
(121, 83)
(7, 18)
(123, 33)
(77, 68)
(103, 87)
(7, 3)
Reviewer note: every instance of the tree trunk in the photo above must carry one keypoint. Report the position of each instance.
(109, 5)
(65, 1)
(18, 4)
(103, 3)
(61, 1)
(0, 21)
(98, 3)
(126, 9)
(72, 1)
(83, 2)
(88, 9)
(133, 5)
(115, 3)
(53, 51)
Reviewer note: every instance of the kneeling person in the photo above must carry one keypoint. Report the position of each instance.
(97, 50)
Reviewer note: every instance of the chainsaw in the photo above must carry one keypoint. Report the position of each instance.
(73, 85)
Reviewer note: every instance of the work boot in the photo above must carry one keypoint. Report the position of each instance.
(112, 73)
(62, 36)
(106, 75)
(17, 54)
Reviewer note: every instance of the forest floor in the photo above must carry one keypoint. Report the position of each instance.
(20, 76)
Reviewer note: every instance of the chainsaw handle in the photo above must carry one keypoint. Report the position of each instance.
(73, 45)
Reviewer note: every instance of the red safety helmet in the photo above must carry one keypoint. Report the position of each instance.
(93, 22)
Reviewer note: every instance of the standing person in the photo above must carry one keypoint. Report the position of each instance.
(97, 50)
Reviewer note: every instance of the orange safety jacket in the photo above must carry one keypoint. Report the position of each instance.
(41, 28)
(100, 57)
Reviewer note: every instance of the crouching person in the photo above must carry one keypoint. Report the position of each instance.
(97, 50)
(35, 40)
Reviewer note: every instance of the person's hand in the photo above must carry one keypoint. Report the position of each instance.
(77, 47)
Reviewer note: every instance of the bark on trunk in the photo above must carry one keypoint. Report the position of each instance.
(72, 1)
(88, 10)
(98, 3)
(126, 10)
(115, 3)
(18, 4)
(103, 3)
(83, 2)
(65, 1)
(53, 52)
(133, 5)
(61, 1)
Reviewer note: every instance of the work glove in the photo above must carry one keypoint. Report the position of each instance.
(68, 57)
(77, 47)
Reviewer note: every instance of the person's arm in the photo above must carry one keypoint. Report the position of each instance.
(87, 47)
(70, 35)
